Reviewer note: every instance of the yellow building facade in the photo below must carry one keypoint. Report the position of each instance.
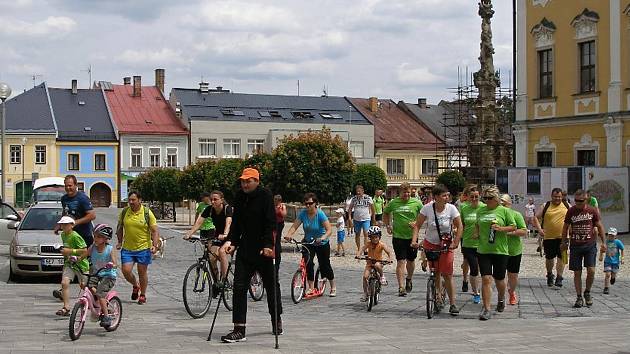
(573, 106)
(26, 155)
(419, 168)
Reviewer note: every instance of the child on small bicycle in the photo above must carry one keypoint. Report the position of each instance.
(375, 249)
(100, 253)
(73, 245)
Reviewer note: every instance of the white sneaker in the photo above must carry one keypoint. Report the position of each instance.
(383, 280)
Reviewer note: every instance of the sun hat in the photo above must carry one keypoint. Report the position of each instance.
(65, 220)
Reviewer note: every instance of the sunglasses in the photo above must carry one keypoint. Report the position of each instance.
(580, 200)
(309, 203)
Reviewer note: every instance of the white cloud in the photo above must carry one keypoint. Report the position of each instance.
(152, 57)
(26, 69)
(406, 74)
(52, 26)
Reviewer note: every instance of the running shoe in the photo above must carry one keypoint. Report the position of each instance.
(500, 306)
(588, 300)
(558, 282)
(476, 298)
(579, 302)
(612, 280)
(485, 315)
(402, 292)
(234, 336)
(383, 280)
(606, 291)
(408, 285)
(513, 298)
(106, 321)
(550, 279)
(142, 299)
(134, 293)
(453, 310)
(277, 329)
(465, 287)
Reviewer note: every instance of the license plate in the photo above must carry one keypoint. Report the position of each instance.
(52, 261)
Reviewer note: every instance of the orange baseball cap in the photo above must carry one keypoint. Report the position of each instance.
(250, 173)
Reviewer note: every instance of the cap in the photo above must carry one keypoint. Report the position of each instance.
(65, 220)
(250, 173)
(340, 210)
(611, 231)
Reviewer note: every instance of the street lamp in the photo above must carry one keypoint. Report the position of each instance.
(5, 92)
(24, 140)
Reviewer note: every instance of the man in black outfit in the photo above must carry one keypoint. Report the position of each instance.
(253, 223)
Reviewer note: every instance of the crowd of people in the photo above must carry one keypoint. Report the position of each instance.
(481, 221)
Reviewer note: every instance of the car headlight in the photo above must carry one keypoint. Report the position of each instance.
(26, 250)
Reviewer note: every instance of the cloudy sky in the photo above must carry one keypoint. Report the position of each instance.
(399, 49)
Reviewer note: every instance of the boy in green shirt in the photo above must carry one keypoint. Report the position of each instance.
(73, 246)
(207, 223)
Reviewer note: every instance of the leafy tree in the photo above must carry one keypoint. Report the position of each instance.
(142, 184)
(224, 177)
(453, 180)
(192, 179)
(165, 186)
(313, 161)
(371, 177)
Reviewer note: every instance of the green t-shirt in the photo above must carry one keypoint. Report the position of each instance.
(515, 243)
(469, 218)
(378, 204)
(502, 217)
(593, 202)
(402, 213)
(207, 223)
(74, 240)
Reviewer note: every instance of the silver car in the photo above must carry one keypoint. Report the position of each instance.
(35, 249)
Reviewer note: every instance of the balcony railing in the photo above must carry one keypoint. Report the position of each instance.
(404, 178)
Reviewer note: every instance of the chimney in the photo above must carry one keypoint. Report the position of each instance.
(159, 79)
(219, 88)
(137, 86)
(127, 80)
(422, 103)
(74, 87)
(373, 104)
(204, 87)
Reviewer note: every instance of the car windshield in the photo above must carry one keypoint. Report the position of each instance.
(48, 194)
(41, 219)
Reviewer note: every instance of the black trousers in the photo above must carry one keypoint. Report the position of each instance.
(323, 258)
(244, 269)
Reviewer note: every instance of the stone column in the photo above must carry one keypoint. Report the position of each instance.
(614, 129)
(614, 86)
(520, 136)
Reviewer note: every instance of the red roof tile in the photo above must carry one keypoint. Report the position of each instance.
(148, 114)
(396, 130)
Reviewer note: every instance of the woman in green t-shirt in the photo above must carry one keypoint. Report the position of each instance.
(515, 248)
(468, 212)
(493, 223)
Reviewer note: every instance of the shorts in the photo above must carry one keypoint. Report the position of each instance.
(358, 225)
(341, 236)
(582, 254)
(141, 257)
(514, 264)
(493, 264)
(611, 267)
(207, 234)
(102, 285)
(552, 248)
(470, 255)
(70, 273)
(378, 217)
(403, 249)
(444, 263)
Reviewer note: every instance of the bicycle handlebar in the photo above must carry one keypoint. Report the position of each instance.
(366, 258)
(298, 243)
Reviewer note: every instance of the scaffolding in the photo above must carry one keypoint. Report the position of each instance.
(462, 131)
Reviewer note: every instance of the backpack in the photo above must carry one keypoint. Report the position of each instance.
(121, 220)
(547, 204)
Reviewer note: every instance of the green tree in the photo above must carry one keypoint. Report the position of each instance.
(371, 177)
(193, 178)
(453, 180)
(314, 161)
(224, 177)
(142, 184)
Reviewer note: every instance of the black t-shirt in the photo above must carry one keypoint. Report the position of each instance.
(218, 219)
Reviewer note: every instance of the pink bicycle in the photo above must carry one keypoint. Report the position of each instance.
(87, 304)
(299, 280)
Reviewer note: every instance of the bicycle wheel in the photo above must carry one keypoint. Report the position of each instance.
(197, 290)
(114, 310)
(256, 289)
(297, 286)
(320, 283)
(228, 289)
(77, 323)
(430, 297)
(372, 293)
(378, 291)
